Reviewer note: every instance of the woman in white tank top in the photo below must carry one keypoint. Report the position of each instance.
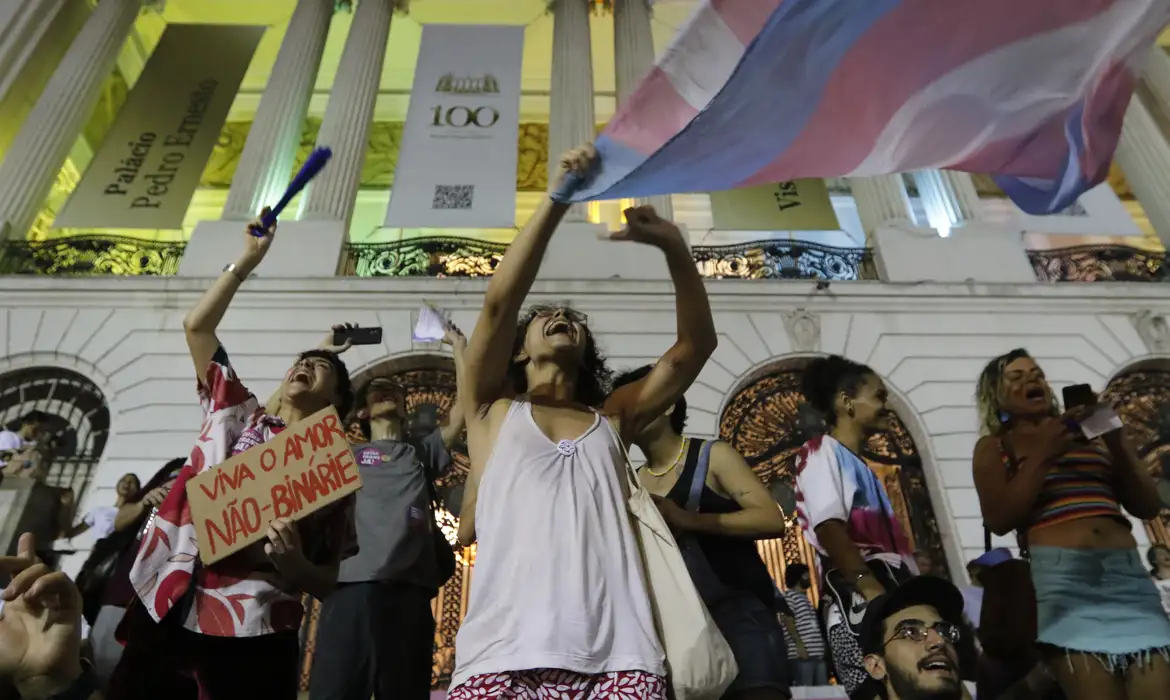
(559, 604)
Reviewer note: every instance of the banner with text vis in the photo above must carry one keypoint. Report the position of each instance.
(457, 159)
(150, 163)
(795, 205)
(300, 471)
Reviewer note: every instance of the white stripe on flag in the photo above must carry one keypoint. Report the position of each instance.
(702, 59)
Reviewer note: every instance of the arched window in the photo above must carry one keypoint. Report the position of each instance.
(78, 419)
(767, 421)
(1142, 399)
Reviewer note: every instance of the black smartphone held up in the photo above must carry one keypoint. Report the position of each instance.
(358, 336)
(1078, 395)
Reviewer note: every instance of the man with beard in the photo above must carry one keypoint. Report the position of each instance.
(910, 639)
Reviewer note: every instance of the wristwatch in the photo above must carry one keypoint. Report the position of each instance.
(231, 267)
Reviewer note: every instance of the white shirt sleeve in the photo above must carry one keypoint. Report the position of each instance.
(821, 485)
(10, 440)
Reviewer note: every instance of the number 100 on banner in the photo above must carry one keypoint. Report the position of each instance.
(457, 160)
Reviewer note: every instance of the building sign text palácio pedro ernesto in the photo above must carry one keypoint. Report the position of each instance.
(150, 163)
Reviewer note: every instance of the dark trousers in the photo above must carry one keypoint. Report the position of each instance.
(164, 660)
(374, 639)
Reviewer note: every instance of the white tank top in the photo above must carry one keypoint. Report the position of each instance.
(558, 577)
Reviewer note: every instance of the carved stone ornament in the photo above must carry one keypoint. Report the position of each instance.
(804, 330)
(1153, 329)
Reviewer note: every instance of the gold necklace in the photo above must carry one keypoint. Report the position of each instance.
(681, 451)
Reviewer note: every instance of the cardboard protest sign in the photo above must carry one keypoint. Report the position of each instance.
(306, 467)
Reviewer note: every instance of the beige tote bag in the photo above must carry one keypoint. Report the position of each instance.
(699, 662)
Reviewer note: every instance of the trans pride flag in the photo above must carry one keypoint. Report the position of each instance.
(760, 91)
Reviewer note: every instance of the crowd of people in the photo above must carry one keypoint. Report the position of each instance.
(560, 605)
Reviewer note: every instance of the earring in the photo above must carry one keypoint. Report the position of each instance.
(1004, 417)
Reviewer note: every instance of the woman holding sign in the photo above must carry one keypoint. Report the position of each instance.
(229, 629)
(559, 600)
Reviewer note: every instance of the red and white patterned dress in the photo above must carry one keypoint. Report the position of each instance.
(231, 599)
(555, 684)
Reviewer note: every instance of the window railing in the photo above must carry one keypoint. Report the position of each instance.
(463, 257)
(90, 255)
(1099, 263)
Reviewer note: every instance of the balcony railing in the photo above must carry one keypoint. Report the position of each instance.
(785, 260)
(444, 256)
(90, 255)
(462, 257)
(1099, 263)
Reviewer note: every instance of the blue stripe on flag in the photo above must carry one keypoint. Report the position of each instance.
(1038, 196)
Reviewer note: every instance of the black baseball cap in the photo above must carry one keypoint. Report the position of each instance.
(938, 593)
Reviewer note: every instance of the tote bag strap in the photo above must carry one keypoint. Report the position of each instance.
(699, 479)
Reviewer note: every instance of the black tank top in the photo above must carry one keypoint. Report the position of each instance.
(735, 560)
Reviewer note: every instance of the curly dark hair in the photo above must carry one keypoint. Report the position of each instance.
(825, 377)
(678, 417)
(593, 377)
(344, 387)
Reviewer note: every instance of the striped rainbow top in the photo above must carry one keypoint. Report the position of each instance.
(1081, 485)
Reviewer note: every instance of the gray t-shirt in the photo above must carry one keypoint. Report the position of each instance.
(393, 514)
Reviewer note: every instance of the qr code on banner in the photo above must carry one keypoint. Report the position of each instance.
(453, 196)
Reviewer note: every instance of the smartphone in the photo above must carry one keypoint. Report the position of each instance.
(1078, 395)
(358, 336)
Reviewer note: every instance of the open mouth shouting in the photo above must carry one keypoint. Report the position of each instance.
(939, 665)
(1035, 393)
(559, 326)
(301, 375)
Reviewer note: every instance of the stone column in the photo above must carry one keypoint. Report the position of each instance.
(571, 121)
(633, 49)
(269, 153)
(949, 197)
(346, 126)
(881, 200)
(40, 148)
(1144, 156)
(1157, 79)
(23, 24)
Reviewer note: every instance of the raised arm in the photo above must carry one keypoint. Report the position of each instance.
(490, 348)
(456, 419)
(201, 323)
(638, 403)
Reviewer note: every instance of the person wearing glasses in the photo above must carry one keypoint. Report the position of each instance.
(560, 606)
(909, 638)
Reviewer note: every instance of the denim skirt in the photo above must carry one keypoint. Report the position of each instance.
(1099, 601)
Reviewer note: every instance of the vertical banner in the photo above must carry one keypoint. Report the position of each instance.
(457, 159)
(153, 156)
(795, 205)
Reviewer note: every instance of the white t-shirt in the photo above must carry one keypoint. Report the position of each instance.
(1163, 585)
(101, 521)
(10, 441)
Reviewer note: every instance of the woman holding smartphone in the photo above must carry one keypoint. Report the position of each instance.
(1099, 616)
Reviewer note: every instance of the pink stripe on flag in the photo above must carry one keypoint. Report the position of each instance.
(652, 116)
(1030, 159)
(745, 18)
(1107, 103)
(873, 82)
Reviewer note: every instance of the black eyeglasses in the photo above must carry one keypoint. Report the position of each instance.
(571, 314)
(917, 631)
